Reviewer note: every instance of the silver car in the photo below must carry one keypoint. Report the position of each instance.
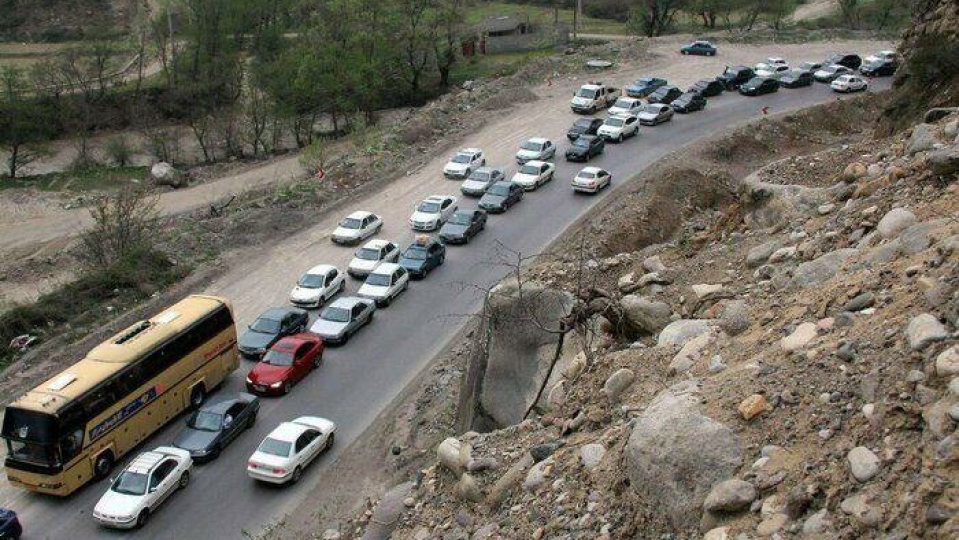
(343, 318)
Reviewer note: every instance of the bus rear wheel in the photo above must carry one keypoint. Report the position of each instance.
(103, 465)
(197, 396)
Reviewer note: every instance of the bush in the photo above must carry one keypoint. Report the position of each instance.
(119, 151)
(124, 224)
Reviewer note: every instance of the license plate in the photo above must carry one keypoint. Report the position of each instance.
(259, 387)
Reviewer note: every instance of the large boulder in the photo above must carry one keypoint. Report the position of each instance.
(773, 205)
(923, 138)
(681, 331)
(525, 337)
(388, 513)
(821, 269)
(163, 174)
(644, 316)
(945, 161)
(675, 455)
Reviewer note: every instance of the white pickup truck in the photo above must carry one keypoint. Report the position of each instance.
(593, 97)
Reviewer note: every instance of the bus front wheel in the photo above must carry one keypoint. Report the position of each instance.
(103, 465)
(197, 396)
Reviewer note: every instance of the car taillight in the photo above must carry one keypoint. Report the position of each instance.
(251, 465)
(279, 471)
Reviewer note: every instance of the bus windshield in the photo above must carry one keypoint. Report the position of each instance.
(30, 436)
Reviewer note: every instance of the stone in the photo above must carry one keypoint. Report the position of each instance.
(824, 209)
(821, 269)
(716, 364)
(852, 172)
(556, 397)
(719, 533)
(799, 338)
(511, 478)
(591, 455)
(706, 290)
(163, 174)
(923, 138)
(538, 474)
(681, 331)
(859, 507)
(947, 363)
(453, 454)
(643, 315)
(818, 523)
(771, 525)
(860, 302)
(783, 254)
(894, 222)
(617, 383)
(542, 451)
(654, 264)
(735, 318)
(752, 406)
(761, 253)
(863, 463)
(730, 496)
(486, 532)
(482, 464)
(675, 454)
(924, 330)
(468, 489)
(627, 283)
(938, 113)
(691, 353)
(387, 513)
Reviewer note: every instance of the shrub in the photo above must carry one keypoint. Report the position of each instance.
(119, 151)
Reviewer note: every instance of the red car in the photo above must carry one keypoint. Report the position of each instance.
(285, 364)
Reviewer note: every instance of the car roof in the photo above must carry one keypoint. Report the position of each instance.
(321, 269)
(275, 314)
(437, 198)
(220, 407)
(376, 243)
(386, 269)
(484, 169)
(622, 116)
(347, 302)
(290, 342)
(287, 431)
(539, 140)
(145, 462)
(359, 214)
(590, 170)
(535, 162)
(469, 151)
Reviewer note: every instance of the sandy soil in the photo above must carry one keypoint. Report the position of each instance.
(814, 9)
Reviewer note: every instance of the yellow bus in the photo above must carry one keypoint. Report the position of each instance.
(75, 426)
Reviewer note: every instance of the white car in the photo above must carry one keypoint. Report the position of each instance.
(536, 148)
(316, 286)
(534, 174)
(616, 128)
(357, 227)
(849, 83)
(655, 114)
(289, 449)
(384, 284)
(881, 55)
(371, 255)
(143, 486)
(591, 180)
(433, 212)
(776, 61)
(626, 105)
(464, 162)
(774, 71)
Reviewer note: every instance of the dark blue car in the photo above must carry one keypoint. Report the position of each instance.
(423, 255)
(9, 525)
(644, 86)
(700, 47)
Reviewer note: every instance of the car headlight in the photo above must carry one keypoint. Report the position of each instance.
(276, 384)
(249, 381)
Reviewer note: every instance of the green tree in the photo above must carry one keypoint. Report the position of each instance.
(23, 121)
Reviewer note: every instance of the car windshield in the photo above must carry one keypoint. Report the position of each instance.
(335, 314)
(586, 93)
(755, 81)
(206, 420)
(461, 158)
(311, 281)
(351, 223)
(368, 254)
(274, 447)
(581, 143)
(651, 109)
(130, 483)
(587, 174)
(643, 82)
(584, 123)
(529, 169)
(875, 63)
(429, 207)
(615, 122)
(278, 358)
(499, 189)
(379, 280)
(796, 73)
(415, 253)
(532, 146)
(465, 219)
(480, 176)
(266, 326)
(624, 103)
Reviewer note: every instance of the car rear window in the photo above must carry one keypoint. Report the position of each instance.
(275, 447)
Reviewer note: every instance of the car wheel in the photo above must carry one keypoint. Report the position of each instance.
(103, 465)
(386, 302)
(297, 474)
(251, 421)
(346, 338)
(215, 453)
(185, 478)
(317, 361)
(620, 138)
(286, 387)
(329, 441)
(143, 518)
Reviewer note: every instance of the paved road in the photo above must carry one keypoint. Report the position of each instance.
(359, 380)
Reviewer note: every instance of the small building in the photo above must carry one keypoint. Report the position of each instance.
(504, 25)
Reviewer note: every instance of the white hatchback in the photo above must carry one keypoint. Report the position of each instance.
(317, 285)
(372, 255)
(384, 284)
(289, 449)
(143, 486)
(433, 212)
(534, 174)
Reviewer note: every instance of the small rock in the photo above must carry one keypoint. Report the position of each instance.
(759, 254)
(824, 209)
(654, 264)
(591, 455)
(730, 496)
(947, 363)
(617, 383)
(468, 489)
(861, 510)
(752, 406)
(539, 452)
(538, 474)
(772, 524)
(860, 302)
(924, 330)
(783, 254)
(716, 364)
(863, 463)
(894, 222)
(705, 290)
(800, 337)
(818, 523)
(719, 533)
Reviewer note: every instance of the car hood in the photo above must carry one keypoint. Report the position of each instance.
(647, 116)
(474, 185)
(412, 264)
(529, 154)
(264, 373)
(342, 232)
(372, 291)
(453, 229)
(455, 167)
(575, 150)
(581, 101)
(609, 129)
(823, 73)
(325, 328)
(363, 264)
(255, 340)
(118, 504)
(637, 88)
(424, 217)
(302, 293)
(495, 200)
(194, 439)
(523, 178)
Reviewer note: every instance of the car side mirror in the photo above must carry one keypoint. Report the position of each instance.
(153, 488)
(228, 423)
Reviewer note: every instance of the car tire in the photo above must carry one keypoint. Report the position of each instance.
(103, 465)
(329, 441)
(185, 478)
(287, 387)
(346, 338)
(251, 421)
(297, 474)
(143, 518)
(197, 396)
(215, 453)
(318, 361)
(620, 138)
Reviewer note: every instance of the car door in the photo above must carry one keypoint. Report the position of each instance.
(312, 444)
(632, 124)
(330, 284)
(392, 252)
(301, 454)
(163, 481)
(401, 278)
(230, 422)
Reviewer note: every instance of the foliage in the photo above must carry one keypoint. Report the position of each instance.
(119, 151)
(929, 77)
(124, 222)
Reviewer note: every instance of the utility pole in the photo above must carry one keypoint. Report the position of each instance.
(576, 19)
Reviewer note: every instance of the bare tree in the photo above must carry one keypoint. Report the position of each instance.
(123, 223)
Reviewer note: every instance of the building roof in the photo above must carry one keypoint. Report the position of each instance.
(502, 24)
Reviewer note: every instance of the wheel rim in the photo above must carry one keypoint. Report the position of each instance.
(196, 398)
(297, 473)
(143, 518)
(317, 361)
(185, 479)
(103, 466)
(286, 387)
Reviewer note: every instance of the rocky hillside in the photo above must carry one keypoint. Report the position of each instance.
(786, 366)
(59, 20)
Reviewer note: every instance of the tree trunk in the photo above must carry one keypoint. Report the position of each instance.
(12, 160)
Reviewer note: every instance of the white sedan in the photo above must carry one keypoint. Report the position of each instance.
(143, 486)
(591, 180)
(534, 174)
(384, 284)
(774, 71)
(464, 162)
(537, 148)
(626, 105)
(316, 286)
(371, 255)
(289, 449)
(616, 128)
(433, 212)
(357, 227)
(849, 83)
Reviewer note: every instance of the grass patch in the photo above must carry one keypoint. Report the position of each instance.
(98, 179)
(541, 15)
(488, 66)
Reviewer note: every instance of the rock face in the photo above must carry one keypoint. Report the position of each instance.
(643, 315)
(163, 174)
(675, 454)
(521, 349)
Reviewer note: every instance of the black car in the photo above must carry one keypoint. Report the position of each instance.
(734, 77)
(665, 94)
(644, 86)
(851, 61)
(707, 88)
(10, 525)
(829, 74)
(501, 196)
(795, 78)
(268, 328)
(758, 86)
(585, 148)
(584, 126)
(463, 225)
(700, 47)
(213, 427)
(879, 68)
(689, 102)
(423, 255)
